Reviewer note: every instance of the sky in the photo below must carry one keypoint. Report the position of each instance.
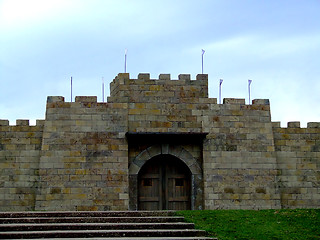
(276, 44)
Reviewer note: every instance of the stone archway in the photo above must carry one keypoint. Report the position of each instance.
(173, 150)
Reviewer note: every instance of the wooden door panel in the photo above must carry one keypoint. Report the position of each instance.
(178, 187)
(149, 186)
(149, 206)
(178, 199)
(178, 206)
(149, 190)
(164, 183)
(149, 196)
(179, 193)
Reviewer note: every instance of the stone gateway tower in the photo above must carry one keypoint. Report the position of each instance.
(158, 144)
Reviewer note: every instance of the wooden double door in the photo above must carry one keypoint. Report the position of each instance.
(164, 184)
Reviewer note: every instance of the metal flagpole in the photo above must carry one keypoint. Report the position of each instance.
(71, 89)
(102, 89)
(203, 51)
(221, 80)
(249, 83)
(125, 60)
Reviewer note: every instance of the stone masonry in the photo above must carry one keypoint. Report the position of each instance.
(87, 155)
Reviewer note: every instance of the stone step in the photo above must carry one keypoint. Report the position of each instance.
(86, 214)
(103, 233)
(54, 219)
(134, 238)
(97, 225)
(92, 226)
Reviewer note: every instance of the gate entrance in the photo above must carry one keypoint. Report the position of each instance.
(164, 184)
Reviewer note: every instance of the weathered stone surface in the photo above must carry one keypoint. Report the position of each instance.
(79, 158)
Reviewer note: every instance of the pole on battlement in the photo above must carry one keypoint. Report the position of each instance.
(125, 60)
(71, 89)
(221, 80)
(102, 89)
(203, 51)
(249, 83)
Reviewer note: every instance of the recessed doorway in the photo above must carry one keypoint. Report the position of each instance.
(164, 183)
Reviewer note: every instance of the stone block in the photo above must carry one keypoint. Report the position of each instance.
(185, 77)
(261, 102)
(4, 122)
(293, 124)
(123, 76)
(164, 77)
(202, 77)
(86, 99)
(20, 122)
(313, 125)
(144, 76)
(234, 101)
(53, 99)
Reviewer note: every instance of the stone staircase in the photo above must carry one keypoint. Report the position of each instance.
(97, 225)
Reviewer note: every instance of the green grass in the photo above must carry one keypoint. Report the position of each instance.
(263, 224)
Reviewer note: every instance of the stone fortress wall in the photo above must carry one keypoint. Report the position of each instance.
(19, 164)
(87, 155)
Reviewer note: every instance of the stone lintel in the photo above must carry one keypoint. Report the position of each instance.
(168, 137)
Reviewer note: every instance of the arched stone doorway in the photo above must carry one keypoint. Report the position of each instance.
(173, 152)
(164, 183)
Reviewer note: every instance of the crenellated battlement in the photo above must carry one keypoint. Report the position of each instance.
(93, 99)
(163, 89)
(144, 79)
(56, 105)
(242, 101)
(124, 78)
(296, 124)
(78, 99)
(21, 123)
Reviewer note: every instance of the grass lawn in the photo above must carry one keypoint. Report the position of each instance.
(263, 224)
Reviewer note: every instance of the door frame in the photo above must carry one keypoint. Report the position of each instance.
(178, 152)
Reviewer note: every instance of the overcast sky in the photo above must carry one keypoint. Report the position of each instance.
(275, 43)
